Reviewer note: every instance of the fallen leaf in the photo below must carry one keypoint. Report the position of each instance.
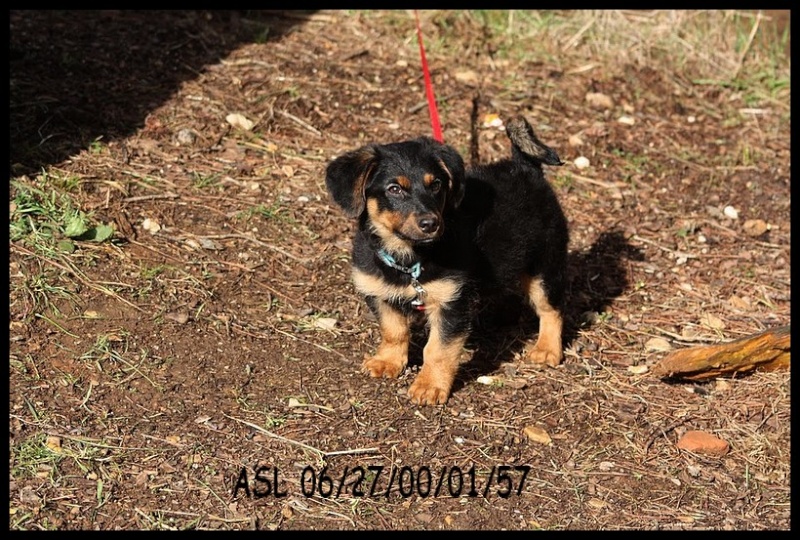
(53, 443)
(594, 502)
(638, 370)
(657, 344)
(325, 323)
(599, 101)
(467, 76)
(492, 120)
(712, 321)
(755, 227)
(209, 244)
(537, 434)
(151, 225)
(180, 317)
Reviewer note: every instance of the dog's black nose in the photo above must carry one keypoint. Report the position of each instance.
(428, 223)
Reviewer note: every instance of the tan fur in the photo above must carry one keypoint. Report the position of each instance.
(437, 292)
(392, 354)
(547, 349)
(440, 364)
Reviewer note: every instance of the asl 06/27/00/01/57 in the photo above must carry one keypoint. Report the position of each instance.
(359, 481)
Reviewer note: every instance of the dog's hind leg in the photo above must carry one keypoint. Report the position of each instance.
(392, 354)
(547, 349)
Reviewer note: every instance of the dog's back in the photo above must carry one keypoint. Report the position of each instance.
(519, 225)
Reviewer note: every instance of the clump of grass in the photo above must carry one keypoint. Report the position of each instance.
(32, 455)
(47, 225)
(48, 220)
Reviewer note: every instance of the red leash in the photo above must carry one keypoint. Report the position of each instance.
(437, 128)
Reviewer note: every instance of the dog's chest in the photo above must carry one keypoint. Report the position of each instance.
(435, 292)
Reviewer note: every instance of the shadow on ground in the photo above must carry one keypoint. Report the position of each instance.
(597, 276)
(68, 86)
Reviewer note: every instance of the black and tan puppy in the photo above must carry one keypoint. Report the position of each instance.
(433, 238)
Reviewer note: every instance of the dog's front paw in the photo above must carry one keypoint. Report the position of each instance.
(428, 390)
(380, 366)
(542, 355)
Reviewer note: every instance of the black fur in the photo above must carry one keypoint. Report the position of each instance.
(490, 228)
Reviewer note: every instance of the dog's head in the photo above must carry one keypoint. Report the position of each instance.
(405, 188)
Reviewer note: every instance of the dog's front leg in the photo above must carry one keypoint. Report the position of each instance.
(392, 354)
(441, 356)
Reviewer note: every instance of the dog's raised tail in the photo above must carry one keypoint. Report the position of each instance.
(526, 144)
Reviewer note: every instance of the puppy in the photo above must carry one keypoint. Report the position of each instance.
(433, 238)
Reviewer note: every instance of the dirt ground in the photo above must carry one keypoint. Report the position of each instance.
(166, 377)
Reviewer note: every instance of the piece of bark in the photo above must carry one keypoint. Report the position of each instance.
(767, 351)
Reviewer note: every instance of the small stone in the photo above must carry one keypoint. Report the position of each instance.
(730, 212)
(582, 162)
(485, 379)
(701, 442)
(239, 121)
(186, 136)
(627, 120)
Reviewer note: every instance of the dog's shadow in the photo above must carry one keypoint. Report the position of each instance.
(505, 326)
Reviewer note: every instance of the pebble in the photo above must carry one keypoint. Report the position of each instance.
(582, 162)
(701, 442)
(731, 212)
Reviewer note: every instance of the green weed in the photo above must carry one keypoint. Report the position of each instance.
(202, 181)
(31, 456)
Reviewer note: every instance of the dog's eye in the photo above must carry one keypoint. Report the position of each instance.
(395, 190)
(436, 185)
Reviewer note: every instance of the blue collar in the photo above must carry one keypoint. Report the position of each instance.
(414, 271)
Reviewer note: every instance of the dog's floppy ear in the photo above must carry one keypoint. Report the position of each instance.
(453, 163)
(347, 177)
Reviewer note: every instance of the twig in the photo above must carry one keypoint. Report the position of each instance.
(578, 35)
(274, 436)
(301, 122)
(747, 45)
(607, 185)
(353, 451)
(151, 197)
(662, 248)
(257, 242)
(76, 273)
